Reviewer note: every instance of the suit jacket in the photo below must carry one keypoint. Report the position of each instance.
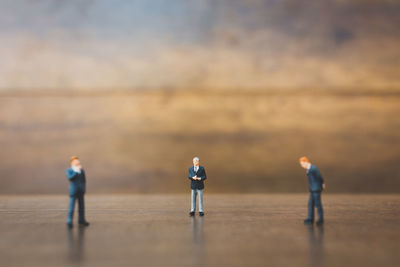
(315, 180)
(77, 182)
(201, 173)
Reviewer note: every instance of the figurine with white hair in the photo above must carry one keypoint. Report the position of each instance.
(197, 175)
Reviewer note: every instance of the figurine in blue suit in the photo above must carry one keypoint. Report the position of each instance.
(316, 185)
(77, 189)
(197, 175)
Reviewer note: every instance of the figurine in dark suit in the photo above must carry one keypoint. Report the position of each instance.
(197, 175)
(77, 189)
(316, 185)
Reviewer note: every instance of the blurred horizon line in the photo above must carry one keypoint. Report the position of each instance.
(320, 91)
(13, 194)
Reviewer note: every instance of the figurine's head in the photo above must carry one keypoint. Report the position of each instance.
(304, 162)
(196, 161)
(74, 161)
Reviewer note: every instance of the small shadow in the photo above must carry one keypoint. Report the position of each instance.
(197, 241)
(316, 245)
(76, 244)
(197, 230)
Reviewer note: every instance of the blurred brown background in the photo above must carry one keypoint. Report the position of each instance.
(138, 88)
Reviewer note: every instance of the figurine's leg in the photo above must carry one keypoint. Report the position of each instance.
(311, 208)
(81, 204)
(71, 209)
(200, 200)
(194, 193)
(318, 203)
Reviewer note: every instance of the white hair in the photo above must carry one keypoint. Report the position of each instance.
(196, 158)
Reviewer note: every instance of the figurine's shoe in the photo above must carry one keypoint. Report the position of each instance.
(308, 221)
(191, 213)
(201, 213)
(320, 222)
(85, 223)
(69, 225)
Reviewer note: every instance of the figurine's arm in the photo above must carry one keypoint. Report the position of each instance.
(322, 179)
(190, 176)
(204, 176)
(84, 180)
(71, 174)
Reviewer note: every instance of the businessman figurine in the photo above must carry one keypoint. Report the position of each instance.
(316, 185)
(77, 188)
(197, 175)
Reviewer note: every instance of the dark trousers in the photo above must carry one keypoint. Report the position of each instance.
(81, 207)
(315, 200)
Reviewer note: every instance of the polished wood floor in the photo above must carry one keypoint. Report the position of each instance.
(237, 230)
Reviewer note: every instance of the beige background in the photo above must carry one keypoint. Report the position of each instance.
(139, 88)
